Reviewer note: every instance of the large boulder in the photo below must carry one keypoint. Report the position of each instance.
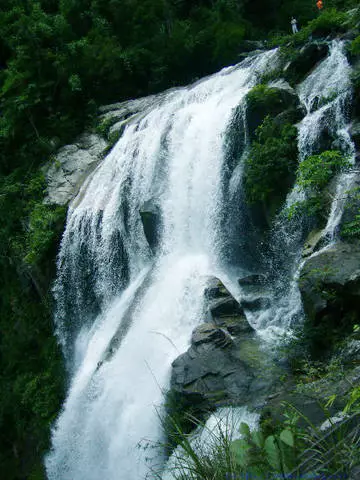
(330, 289)
(225, 362)
(219, 369)
(71, 166)
(304, 60)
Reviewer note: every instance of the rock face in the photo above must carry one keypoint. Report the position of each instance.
(72, 164)
(337, 270)
(312, 242)
(224, 364)
(151, 219)
(305, 60)
(330, 289)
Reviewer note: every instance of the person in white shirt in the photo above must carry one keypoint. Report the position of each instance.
(294, 25)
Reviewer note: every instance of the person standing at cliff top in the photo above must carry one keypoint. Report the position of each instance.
(294, 25)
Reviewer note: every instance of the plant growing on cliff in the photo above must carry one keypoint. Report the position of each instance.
(350, 229)
(271, 164)
(313, 177)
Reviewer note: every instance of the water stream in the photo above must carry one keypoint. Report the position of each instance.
(124, 314)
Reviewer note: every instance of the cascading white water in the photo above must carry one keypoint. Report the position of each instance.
(124, 314)
(325, 95)
(331, 85)
(120, 346)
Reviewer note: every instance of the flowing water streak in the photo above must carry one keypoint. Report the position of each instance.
(174, 152)
(325, 95)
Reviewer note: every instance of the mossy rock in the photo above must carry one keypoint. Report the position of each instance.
(330, 290)
(304, 60)
(264, 100)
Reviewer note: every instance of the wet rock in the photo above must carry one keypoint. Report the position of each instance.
(212, 373)
(151, 219)
(253, 304)
(223, 373)
(338, 269)
(312, 242)
(305, 60)
(226, 306)
(235, 325)
(215, 289)
(330, 290)
(211, 333)
(224, 311)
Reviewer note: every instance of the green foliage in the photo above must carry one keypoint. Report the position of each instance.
(258, 454)
(278, 453)
(355, 46)
(350, 229)
(271, 164)
(59, 60)
(316, 171)
(44, 223)
(262, 95)
(313, 176)
(31, 378)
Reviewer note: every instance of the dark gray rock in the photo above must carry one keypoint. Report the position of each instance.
(253, 304)
(330, 276)
(236, 325)
(226, 306)
(330, 290)
(215, 289)
(224, 311)
(305, 60)
(211, 333)
(151, 219)
(223, 373)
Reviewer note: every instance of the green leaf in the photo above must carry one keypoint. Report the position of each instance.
(258, 438)
(240, 450)
(272, 453)
(287, 437)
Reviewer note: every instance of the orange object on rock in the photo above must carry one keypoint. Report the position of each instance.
(319, 4)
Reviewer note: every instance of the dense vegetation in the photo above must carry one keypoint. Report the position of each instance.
(60, 60)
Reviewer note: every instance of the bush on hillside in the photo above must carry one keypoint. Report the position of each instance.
(271, 165)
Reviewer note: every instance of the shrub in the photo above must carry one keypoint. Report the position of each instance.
(292, 448)
(313, 176)
(44, 224)
(316, 171)
(271, 164)
(351, 228)
(355, 46)
(263, 95)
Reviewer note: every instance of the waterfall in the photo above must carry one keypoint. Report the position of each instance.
(325, 96)
(123, 315)
(126, 311)
(329, 84)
